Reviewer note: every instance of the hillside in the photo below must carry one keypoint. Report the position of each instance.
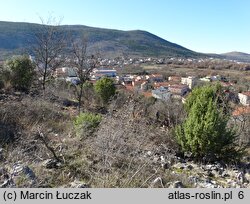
(15, 36)
(130, 148)
(239, 56)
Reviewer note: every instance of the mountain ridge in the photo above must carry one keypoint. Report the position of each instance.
(16, 36)
(112, 42)
(236, 55)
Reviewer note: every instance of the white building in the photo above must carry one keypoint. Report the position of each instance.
(190, 81)
(215, 78)
(162, 93)
(105, 72)
(32, 58)
(244, 98)
(65, 72)
(206, 79)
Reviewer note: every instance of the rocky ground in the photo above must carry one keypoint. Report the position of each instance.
(215, 175)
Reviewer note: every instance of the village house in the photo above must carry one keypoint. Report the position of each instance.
(104, 72)
(65, 72)
(159, 84)
(155, 78)
(162, 93)
(206, 79)
(141, 84)
(127, 80)
(190, 81)
(96, 76)
(215, 78)
(68, 74)
(138, 78)
(178, 90)
(174, 78)
(244, 98)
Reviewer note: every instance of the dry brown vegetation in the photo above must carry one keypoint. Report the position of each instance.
(114, 156)
(133, 146)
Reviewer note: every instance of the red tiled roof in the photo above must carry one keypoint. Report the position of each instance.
(159, 84)
(241, 111)
(147, 93)
(175, 78)
(178, 86)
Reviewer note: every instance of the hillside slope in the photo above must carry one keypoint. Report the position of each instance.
(15, 36)
(239, 56)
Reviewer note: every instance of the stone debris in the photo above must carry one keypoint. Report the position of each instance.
(78, 184)
(52, 164)
(214, 175)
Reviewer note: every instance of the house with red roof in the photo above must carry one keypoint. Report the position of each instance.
(174, 78)
(179, 89)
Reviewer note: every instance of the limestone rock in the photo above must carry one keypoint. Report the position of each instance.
(177, 184)
(78, 184)
(51, 164)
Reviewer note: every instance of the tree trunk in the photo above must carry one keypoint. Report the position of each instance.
(80, 99)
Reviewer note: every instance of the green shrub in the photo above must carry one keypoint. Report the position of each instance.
(86, 123)
(204, 133)
(105, 88)
(20, 72)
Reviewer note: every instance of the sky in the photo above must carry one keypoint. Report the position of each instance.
(208, 26)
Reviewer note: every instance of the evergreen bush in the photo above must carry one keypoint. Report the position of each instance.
(204, 132)
(86, 123)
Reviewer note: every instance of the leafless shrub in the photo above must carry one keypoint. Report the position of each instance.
(242, 125)
(120, 144)
(49, 42)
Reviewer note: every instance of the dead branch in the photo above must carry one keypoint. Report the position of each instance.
(41, 136)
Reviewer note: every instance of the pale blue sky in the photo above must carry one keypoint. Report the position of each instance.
(214, 26)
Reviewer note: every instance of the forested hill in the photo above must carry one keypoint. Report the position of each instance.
(15, 36)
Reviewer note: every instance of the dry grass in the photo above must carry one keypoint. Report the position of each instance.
(115, 155)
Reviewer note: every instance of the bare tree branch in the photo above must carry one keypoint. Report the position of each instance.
(48, 46)
(84, 64)
(41, 136)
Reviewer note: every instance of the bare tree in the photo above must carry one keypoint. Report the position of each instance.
(84, 64)
(48, 45)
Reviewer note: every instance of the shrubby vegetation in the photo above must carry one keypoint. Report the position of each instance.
(204, 132)
(105, 88)
(121, 147)
(86, 123)
(19, 72)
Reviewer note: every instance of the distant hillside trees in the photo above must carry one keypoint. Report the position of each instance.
(204, 133)
(48, 45)
(19, 71)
